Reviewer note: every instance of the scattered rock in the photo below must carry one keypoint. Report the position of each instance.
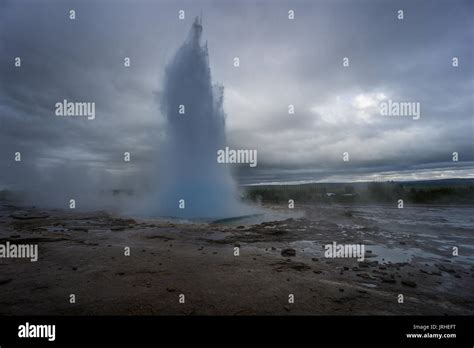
(401, 264)
(409, 283)
(365, 276)
(28, 216)
(32, 240)
(5, 281)
(160, 237)
(79, 229)
(288, 252)
(445, 269)
(300, 267)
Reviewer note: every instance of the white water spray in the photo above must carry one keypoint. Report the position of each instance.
(191, 183)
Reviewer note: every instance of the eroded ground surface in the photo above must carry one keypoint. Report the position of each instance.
(83, 254)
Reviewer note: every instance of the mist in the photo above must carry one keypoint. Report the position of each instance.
(188, 180)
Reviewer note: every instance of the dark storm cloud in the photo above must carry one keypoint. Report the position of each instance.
(407, 60)
(282, 62)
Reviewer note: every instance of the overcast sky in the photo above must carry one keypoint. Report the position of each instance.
(282, 62)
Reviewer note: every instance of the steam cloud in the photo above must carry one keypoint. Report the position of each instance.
(187, 167)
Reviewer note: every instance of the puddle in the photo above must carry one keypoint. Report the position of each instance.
(308, 247)
(393, 255)
(397, 255)
(255, 219)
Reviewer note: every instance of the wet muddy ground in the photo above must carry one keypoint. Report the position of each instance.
(84, 254)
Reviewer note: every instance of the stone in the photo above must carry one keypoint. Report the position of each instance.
(409, 283)
(288, 252)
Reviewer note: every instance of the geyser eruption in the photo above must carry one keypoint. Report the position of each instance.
(191, 183)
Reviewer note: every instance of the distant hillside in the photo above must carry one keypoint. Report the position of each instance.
(448, 191)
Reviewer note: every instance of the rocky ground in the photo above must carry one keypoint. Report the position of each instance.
(83, 254)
